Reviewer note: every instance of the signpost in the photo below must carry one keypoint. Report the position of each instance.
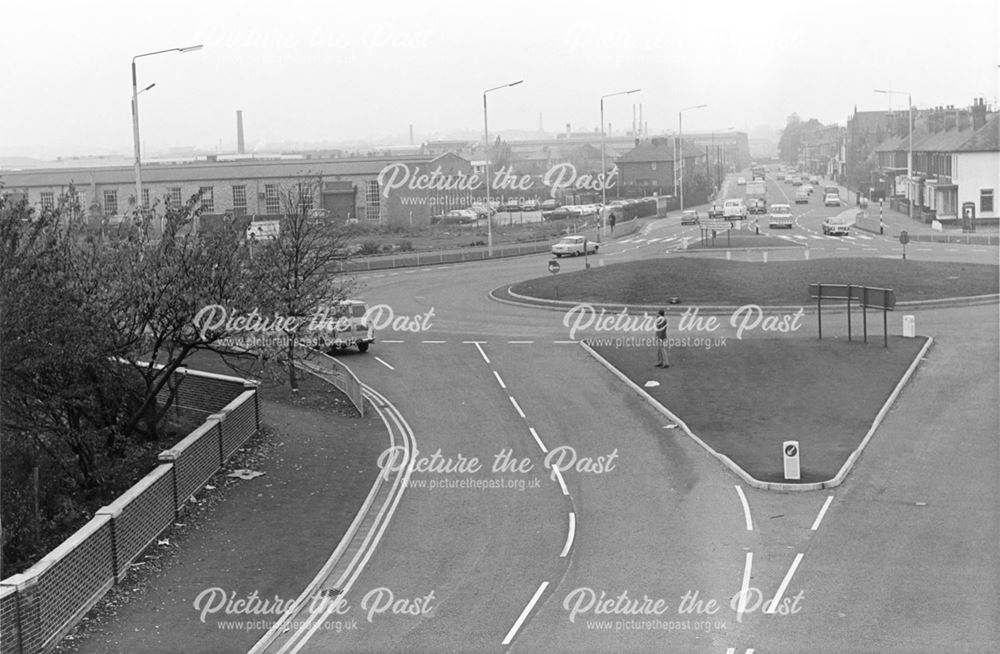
(867, 296)
(713, 226)
(904, 238)
(790, 452)
(554, 268)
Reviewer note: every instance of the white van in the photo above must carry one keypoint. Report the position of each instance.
(734, 209)
(779, 215)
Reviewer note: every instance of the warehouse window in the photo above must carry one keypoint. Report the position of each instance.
(174, 197)
(305, 198)
(240, 200)
(145, 198)
(48, 200)
(207, 194)
(272, 203)
(110, 203)
(985, 200)
(372, 206)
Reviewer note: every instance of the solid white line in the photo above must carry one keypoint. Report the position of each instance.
(569, 536)
(822, 512)
(520, 342)
(746, 508)
(497, 375)
(480, 348)
(516, 405)
(562, 482)
(387, 341)
(384, 363)
(538, 440)
(744, 589)
(773, 606)
(524, 614)
(472, 342)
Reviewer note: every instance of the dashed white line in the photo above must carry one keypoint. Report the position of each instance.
(744, 589)
(524, 614)
(538, 440)
(388, 341)
(520, 342)
(516, 405)
(434, 342)
(746, 508)
(565, 342)
(379, 359)
(773, 606)
(497, 375)
(822, 512)
(569, 535)
(480, 348)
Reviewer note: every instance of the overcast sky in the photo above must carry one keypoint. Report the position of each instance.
(333, 71)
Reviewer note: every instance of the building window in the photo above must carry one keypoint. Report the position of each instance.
(652, 165)
(110, 203)
(240, 200)
(986, 200)
(272, 203)
(145, 198)
(174, 197)
(207, 194)
(48, 200)
(305, 198)
(372, 206)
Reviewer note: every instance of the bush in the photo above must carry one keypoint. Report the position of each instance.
(405, 246)
(369, 248)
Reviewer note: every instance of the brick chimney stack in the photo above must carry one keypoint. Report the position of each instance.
(978, 113)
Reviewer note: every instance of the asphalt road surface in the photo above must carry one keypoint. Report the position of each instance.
(643, 543)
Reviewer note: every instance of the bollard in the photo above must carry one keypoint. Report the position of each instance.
(909, 326)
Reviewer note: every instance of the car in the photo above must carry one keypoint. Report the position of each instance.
(741, 181)
(780, 215)
(831, 200)
(836, 226)
(796, 181)
(801, 196)
(780, 177)
(808, 187)
(481, 210)
(814, 179)
(529, 205)
(574, 246)
(510, 206)
(690, 217)
(550, 204)
(756, 206)
(715, 211)
(456, 217)
(558, 213)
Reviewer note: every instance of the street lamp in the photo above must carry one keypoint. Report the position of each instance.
(135, 115)
(909, 154)
(486, 132)
(680, 146)
(604, 170)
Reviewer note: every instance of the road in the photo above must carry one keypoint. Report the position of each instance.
(902, 558)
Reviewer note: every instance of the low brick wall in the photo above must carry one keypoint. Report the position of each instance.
(39, 606)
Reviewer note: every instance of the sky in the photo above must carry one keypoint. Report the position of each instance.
(365, 71)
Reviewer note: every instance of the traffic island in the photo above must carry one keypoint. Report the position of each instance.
(743, 399)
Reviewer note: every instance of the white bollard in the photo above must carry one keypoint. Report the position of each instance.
(909, 326)
(729, 255)
(765, 256)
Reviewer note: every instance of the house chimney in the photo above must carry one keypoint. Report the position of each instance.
(964, 119)
(950, 119)
(239, 131)
(568, 130)
(978, 113)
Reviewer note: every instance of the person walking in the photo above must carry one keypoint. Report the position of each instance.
(661, 341)
(611, 222)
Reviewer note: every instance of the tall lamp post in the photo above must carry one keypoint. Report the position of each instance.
(680, 146)
(604, 169)
(909, 154)
(486, 133)
(135, 115)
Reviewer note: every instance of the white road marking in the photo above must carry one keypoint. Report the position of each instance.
(538, 440)
(520, 342)
(731, 650)
(565, 342)
(480, 348)
(434, 342)
(817, 237)
(562, 482)
(569, 536)
(773, 606)
(497, 375)
(379, 359)
(746, 508)
(388, 341)
(744, 589)
(865, 238)
(516, 405)
(822, 512)
(524, 614)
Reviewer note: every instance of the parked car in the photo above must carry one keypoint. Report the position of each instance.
(482, 211)
(690, 217)
(572, 246)
(836, 226)
(780, 215)
(529, 205)
(510, 206)
(456, 217)
(558, 213)
(801, 196)
(550, 204)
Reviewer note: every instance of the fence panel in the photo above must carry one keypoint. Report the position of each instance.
(140, 514)
(239, 424)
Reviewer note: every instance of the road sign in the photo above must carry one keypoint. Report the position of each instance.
(904, 237)
(715, 225)
(790, 452)
(553, 266)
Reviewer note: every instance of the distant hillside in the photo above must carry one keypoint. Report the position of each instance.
(13, 163)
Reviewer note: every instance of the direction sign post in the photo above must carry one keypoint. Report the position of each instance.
(554, 268)
(790, 453)
(904, 238)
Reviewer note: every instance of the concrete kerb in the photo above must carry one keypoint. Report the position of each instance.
(743, 474)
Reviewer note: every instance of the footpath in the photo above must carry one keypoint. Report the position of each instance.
(264, 537)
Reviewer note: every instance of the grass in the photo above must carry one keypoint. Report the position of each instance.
(742, 240)
(746, 397)
(705, 281)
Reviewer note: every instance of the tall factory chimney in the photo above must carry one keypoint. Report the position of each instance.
(640, 119)
(633, 119)
(239, 131)
(411, 133)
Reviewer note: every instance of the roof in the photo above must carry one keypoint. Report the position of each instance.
(206, 171)
(659, 149)
(984, 139)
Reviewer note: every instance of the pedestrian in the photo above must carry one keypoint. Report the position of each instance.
(661, 341)
(611, 222)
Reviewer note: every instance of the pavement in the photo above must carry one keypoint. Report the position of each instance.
(266, 536)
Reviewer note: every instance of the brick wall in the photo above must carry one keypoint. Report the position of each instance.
(39, 606)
